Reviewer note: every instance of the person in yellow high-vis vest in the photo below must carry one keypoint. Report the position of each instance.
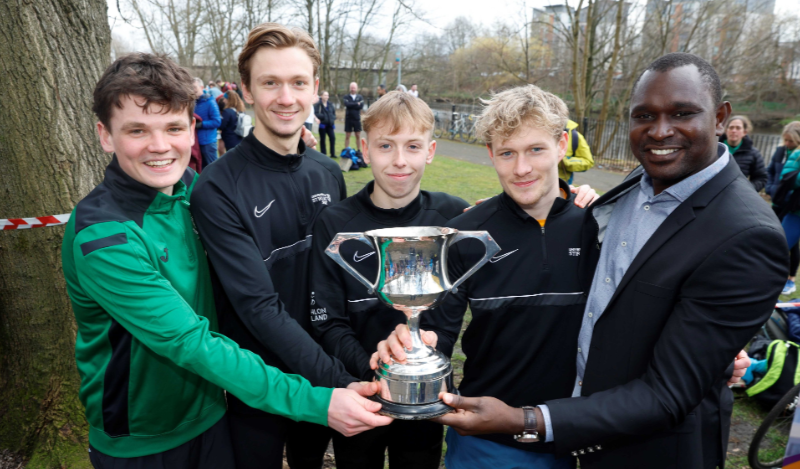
(579, 155)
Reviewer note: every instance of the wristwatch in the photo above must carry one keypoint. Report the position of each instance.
(529, 433)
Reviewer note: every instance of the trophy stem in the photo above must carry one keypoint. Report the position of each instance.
(418, 348)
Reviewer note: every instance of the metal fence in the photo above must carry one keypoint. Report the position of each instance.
(611, 148)
(609, 141)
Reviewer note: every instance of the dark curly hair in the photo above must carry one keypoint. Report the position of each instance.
(154, 78)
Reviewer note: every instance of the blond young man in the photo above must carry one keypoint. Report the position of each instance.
(254, 210)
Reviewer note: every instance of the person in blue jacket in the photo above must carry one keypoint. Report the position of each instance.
(207, 109)
(791, 141)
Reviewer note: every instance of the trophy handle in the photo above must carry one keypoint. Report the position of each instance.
(492, 248)
(333, 252)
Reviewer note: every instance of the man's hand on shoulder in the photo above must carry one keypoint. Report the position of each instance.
(584, 195)
(350, 414)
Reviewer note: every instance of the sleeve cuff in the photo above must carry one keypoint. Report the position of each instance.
(548, 424)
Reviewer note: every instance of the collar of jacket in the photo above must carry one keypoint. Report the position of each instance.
(268, 158)
(134, 195)
(559, 205)
(395, 216)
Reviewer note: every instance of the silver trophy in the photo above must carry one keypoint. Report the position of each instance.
(413, 278)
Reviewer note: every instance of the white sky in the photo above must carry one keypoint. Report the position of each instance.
(438, 13)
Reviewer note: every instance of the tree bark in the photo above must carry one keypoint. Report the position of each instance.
(52, 53)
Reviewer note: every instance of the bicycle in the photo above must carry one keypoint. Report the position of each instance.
(458, 127)
(769, 442)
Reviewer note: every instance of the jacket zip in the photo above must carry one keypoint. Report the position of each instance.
(302, 207)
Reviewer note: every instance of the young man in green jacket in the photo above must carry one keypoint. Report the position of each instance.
(152, 367)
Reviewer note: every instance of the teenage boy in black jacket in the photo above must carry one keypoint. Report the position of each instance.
(255, 211)
(347, 321)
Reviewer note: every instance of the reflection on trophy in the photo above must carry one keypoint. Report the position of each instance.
(412, 278)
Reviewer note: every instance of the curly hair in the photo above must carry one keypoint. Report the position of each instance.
(155, 78)
(508, 110)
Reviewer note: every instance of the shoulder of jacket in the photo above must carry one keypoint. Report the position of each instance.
(449, 206)
(478, 215)
(325, 162)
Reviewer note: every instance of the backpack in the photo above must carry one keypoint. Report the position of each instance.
(783, 373)
(243, 124)
(350, 154)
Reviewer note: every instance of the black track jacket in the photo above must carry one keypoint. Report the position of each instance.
(346, 320)
(255, 210)
(526, 303)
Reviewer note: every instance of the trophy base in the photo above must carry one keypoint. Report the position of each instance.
(412, 411)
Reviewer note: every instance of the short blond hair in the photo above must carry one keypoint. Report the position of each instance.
(792, 130)
(508, 110)
(397, 110)
(276, 36)
(748, 126)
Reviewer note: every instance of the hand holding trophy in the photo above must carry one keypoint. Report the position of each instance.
(413, 278)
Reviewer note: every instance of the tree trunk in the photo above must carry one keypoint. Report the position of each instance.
(52, 53)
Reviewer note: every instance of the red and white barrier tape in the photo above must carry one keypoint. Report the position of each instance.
(35, 222)
(787, 305)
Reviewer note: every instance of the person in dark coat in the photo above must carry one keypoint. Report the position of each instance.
(791, 140)
(326, 114)
(746, 155)
(230, 107)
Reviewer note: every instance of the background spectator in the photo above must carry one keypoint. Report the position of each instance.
(207, 109)
(413, 91)
(354, 102)
(746, 155)
(791, 141)
(230, 107)
(326, 114)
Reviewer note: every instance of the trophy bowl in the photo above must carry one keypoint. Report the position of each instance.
(412, 278)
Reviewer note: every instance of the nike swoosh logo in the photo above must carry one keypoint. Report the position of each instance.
(358, 258)
(260, 213)
(500, 258)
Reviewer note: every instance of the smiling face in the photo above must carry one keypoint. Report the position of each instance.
(674, 124)
(151, 147)
(281, 90)
(527, 166)
(735, 132)
(398, 163)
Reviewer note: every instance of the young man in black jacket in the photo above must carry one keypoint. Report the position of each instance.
(255, 210)
(348, 321)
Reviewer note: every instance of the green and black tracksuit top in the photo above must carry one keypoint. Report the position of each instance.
(152, 366)
(527, 305)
